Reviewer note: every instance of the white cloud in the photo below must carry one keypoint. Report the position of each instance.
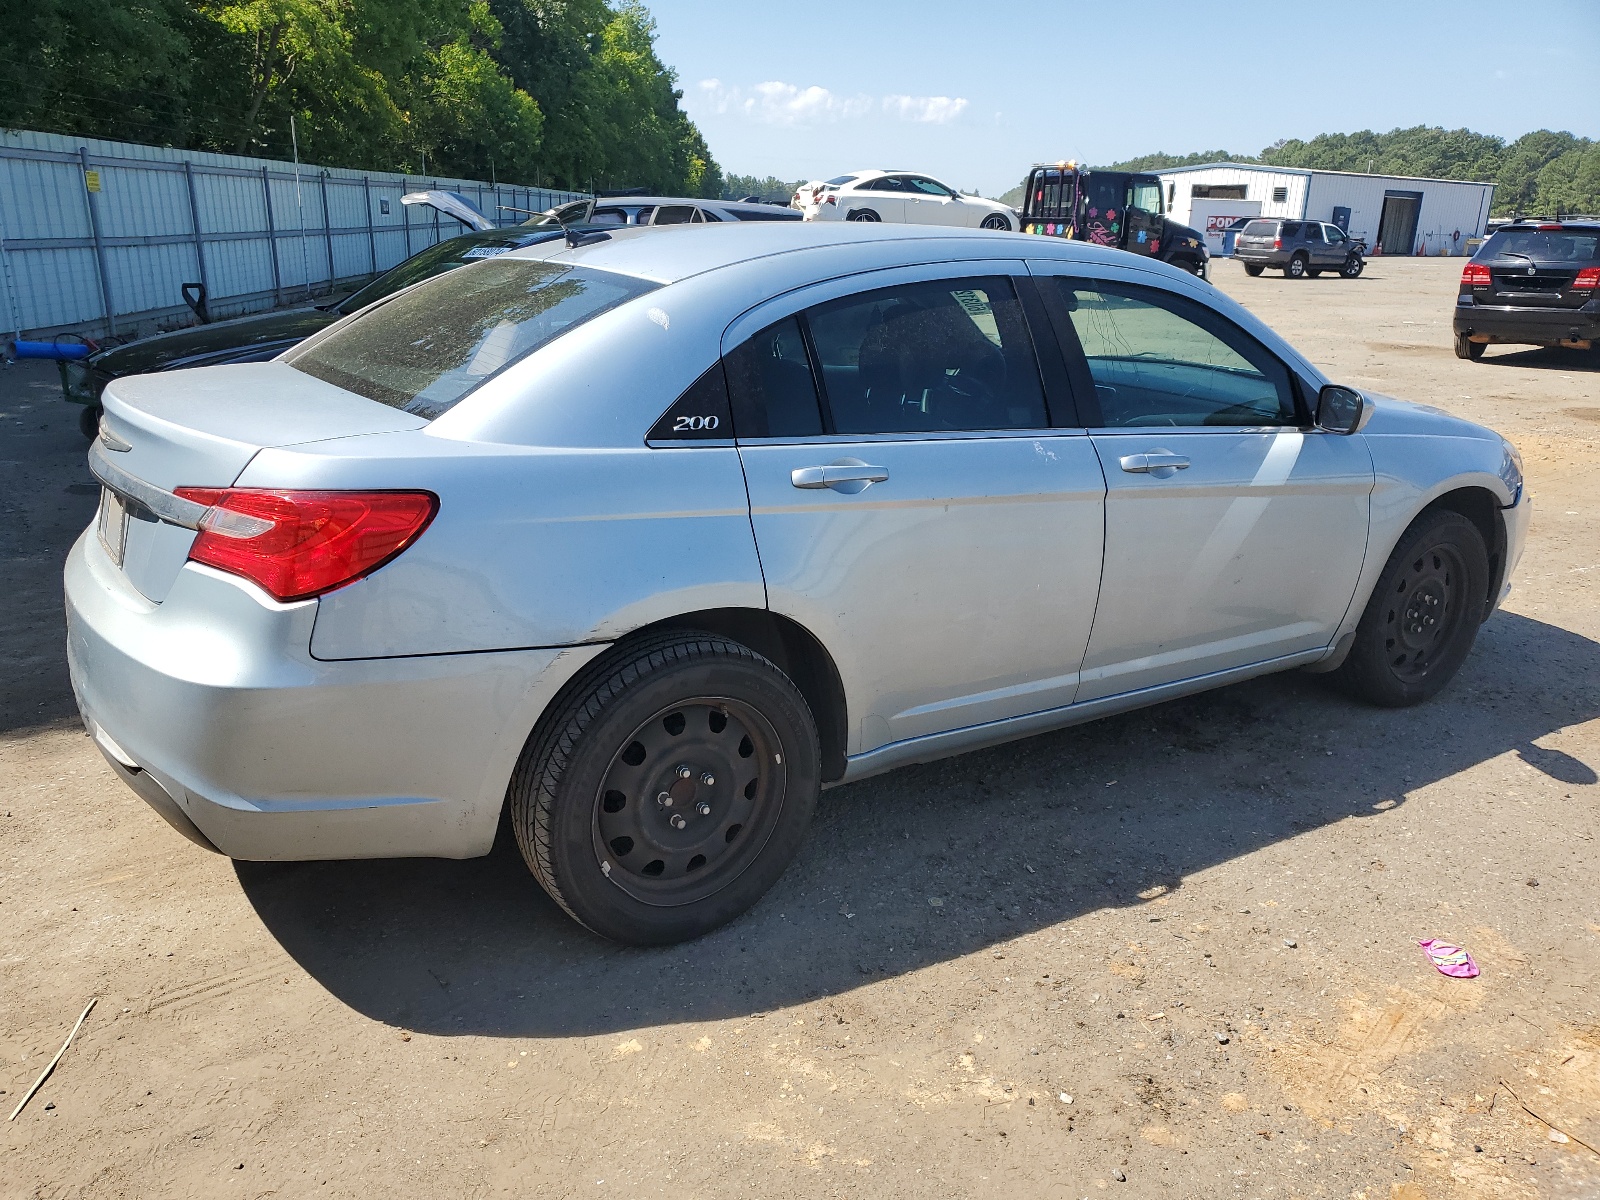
(779, 103)
(932, 110)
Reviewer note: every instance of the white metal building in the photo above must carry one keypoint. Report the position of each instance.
(1400, 214)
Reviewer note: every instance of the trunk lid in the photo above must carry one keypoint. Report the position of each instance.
(200, 428)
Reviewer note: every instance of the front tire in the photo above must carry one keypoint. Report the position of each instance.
(1469, 349)
(1423, 615)
(862, 214)
(1253, 269)
(1295, 268)
(669, 789)
(995, 221)
(1353, 266)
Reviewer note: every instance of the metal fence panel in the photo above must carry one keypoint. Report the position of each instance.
(99, 237)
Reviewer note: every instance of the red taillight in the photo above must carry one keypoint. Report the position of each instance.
(1277, 243)
(1542, 227)
(1588, 279)
(296, 544)
(1475, 275)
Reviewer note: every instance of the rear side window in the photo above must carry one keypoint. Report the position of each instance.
(1260, 229)
(928, 357)
(1544, 245)
(428, 347)
(771, 385)
(777, 214)
(1291, 229)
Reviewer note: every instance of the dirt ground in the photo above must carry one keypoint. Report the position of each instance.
(1172, 954)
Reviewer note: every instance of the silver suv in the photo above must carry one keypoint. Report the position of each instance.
(1298, 249)
(645, 539)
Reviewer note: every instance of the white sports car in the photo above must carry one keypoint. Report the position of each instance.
(900, 196)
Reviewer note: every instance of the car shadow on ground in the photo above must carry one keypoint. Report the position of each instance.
(932, 862)
(1542, 358)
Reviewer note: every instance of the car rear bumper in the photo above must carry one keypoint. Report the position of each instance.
(210, 706)
(1523, 324)
(1260, 258)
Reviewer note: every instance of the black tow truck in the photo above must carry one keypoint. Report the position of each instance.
(1109, 208)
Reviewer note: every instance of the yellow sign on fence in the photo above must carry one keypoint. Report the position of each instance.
(92, 180)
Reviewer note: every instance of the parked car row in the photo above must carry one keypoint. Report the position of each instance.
(638, 539)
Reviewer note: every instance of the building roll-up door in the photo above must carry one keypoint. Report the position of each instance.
(1397, 226)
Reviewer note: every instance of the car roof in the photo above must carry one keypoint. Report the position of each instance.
(672, 253)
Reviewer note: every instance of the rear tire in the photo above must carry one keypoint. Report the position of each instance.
(1467, 348)
(862, 214)
(89, 421)
(1423, 615)
(1253, 268)
(1295, 268)
(611, 803)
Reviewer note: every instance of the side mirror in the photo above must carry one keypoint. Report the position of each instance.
(1341, 409)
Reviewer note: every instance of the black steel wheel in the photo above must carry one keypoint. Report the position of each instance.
(1253, 268)
(1353, 266)
(1423, 615)
(1295, 268)
(995, 221)
(669, 789)
(862, 214)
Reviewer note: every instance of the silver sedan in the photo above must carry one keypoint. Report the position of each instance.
(646, 539)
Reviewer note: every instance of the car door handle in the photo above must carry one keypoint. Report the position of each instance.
(844, 476)
(1159, 460)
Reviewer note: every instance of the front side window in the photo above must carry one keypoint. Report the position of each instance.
(427, 348)
(1334, 233)
(1161, 360)
(928, 357)
(1147, 196)
(928, 187)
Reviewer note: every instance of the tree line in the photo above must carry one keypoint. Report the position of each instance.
(1541, 173)
(553, 93)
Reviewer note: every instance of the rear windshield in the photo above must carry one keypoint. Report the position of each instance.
(435, 260)
(1261, 229)
(841, 180)
(1544, 245)
(430, 346)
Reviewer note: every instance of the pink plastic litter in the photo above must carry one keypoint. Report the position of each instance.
(1450, 960)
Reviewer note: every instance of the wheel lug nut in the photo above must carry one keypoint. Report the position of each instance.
(683, 772)
(708, 779)
(677, 821)
(703, 809)
(664, 799)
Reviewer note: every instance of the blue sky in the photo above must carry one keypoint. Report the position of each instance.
(974, 94)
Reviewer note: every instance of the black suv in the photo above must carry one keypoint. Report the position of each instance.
(1530, 284)
(1298, 248)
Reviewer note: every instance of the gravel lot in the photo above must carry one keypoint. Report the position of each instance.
(1198, 922)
